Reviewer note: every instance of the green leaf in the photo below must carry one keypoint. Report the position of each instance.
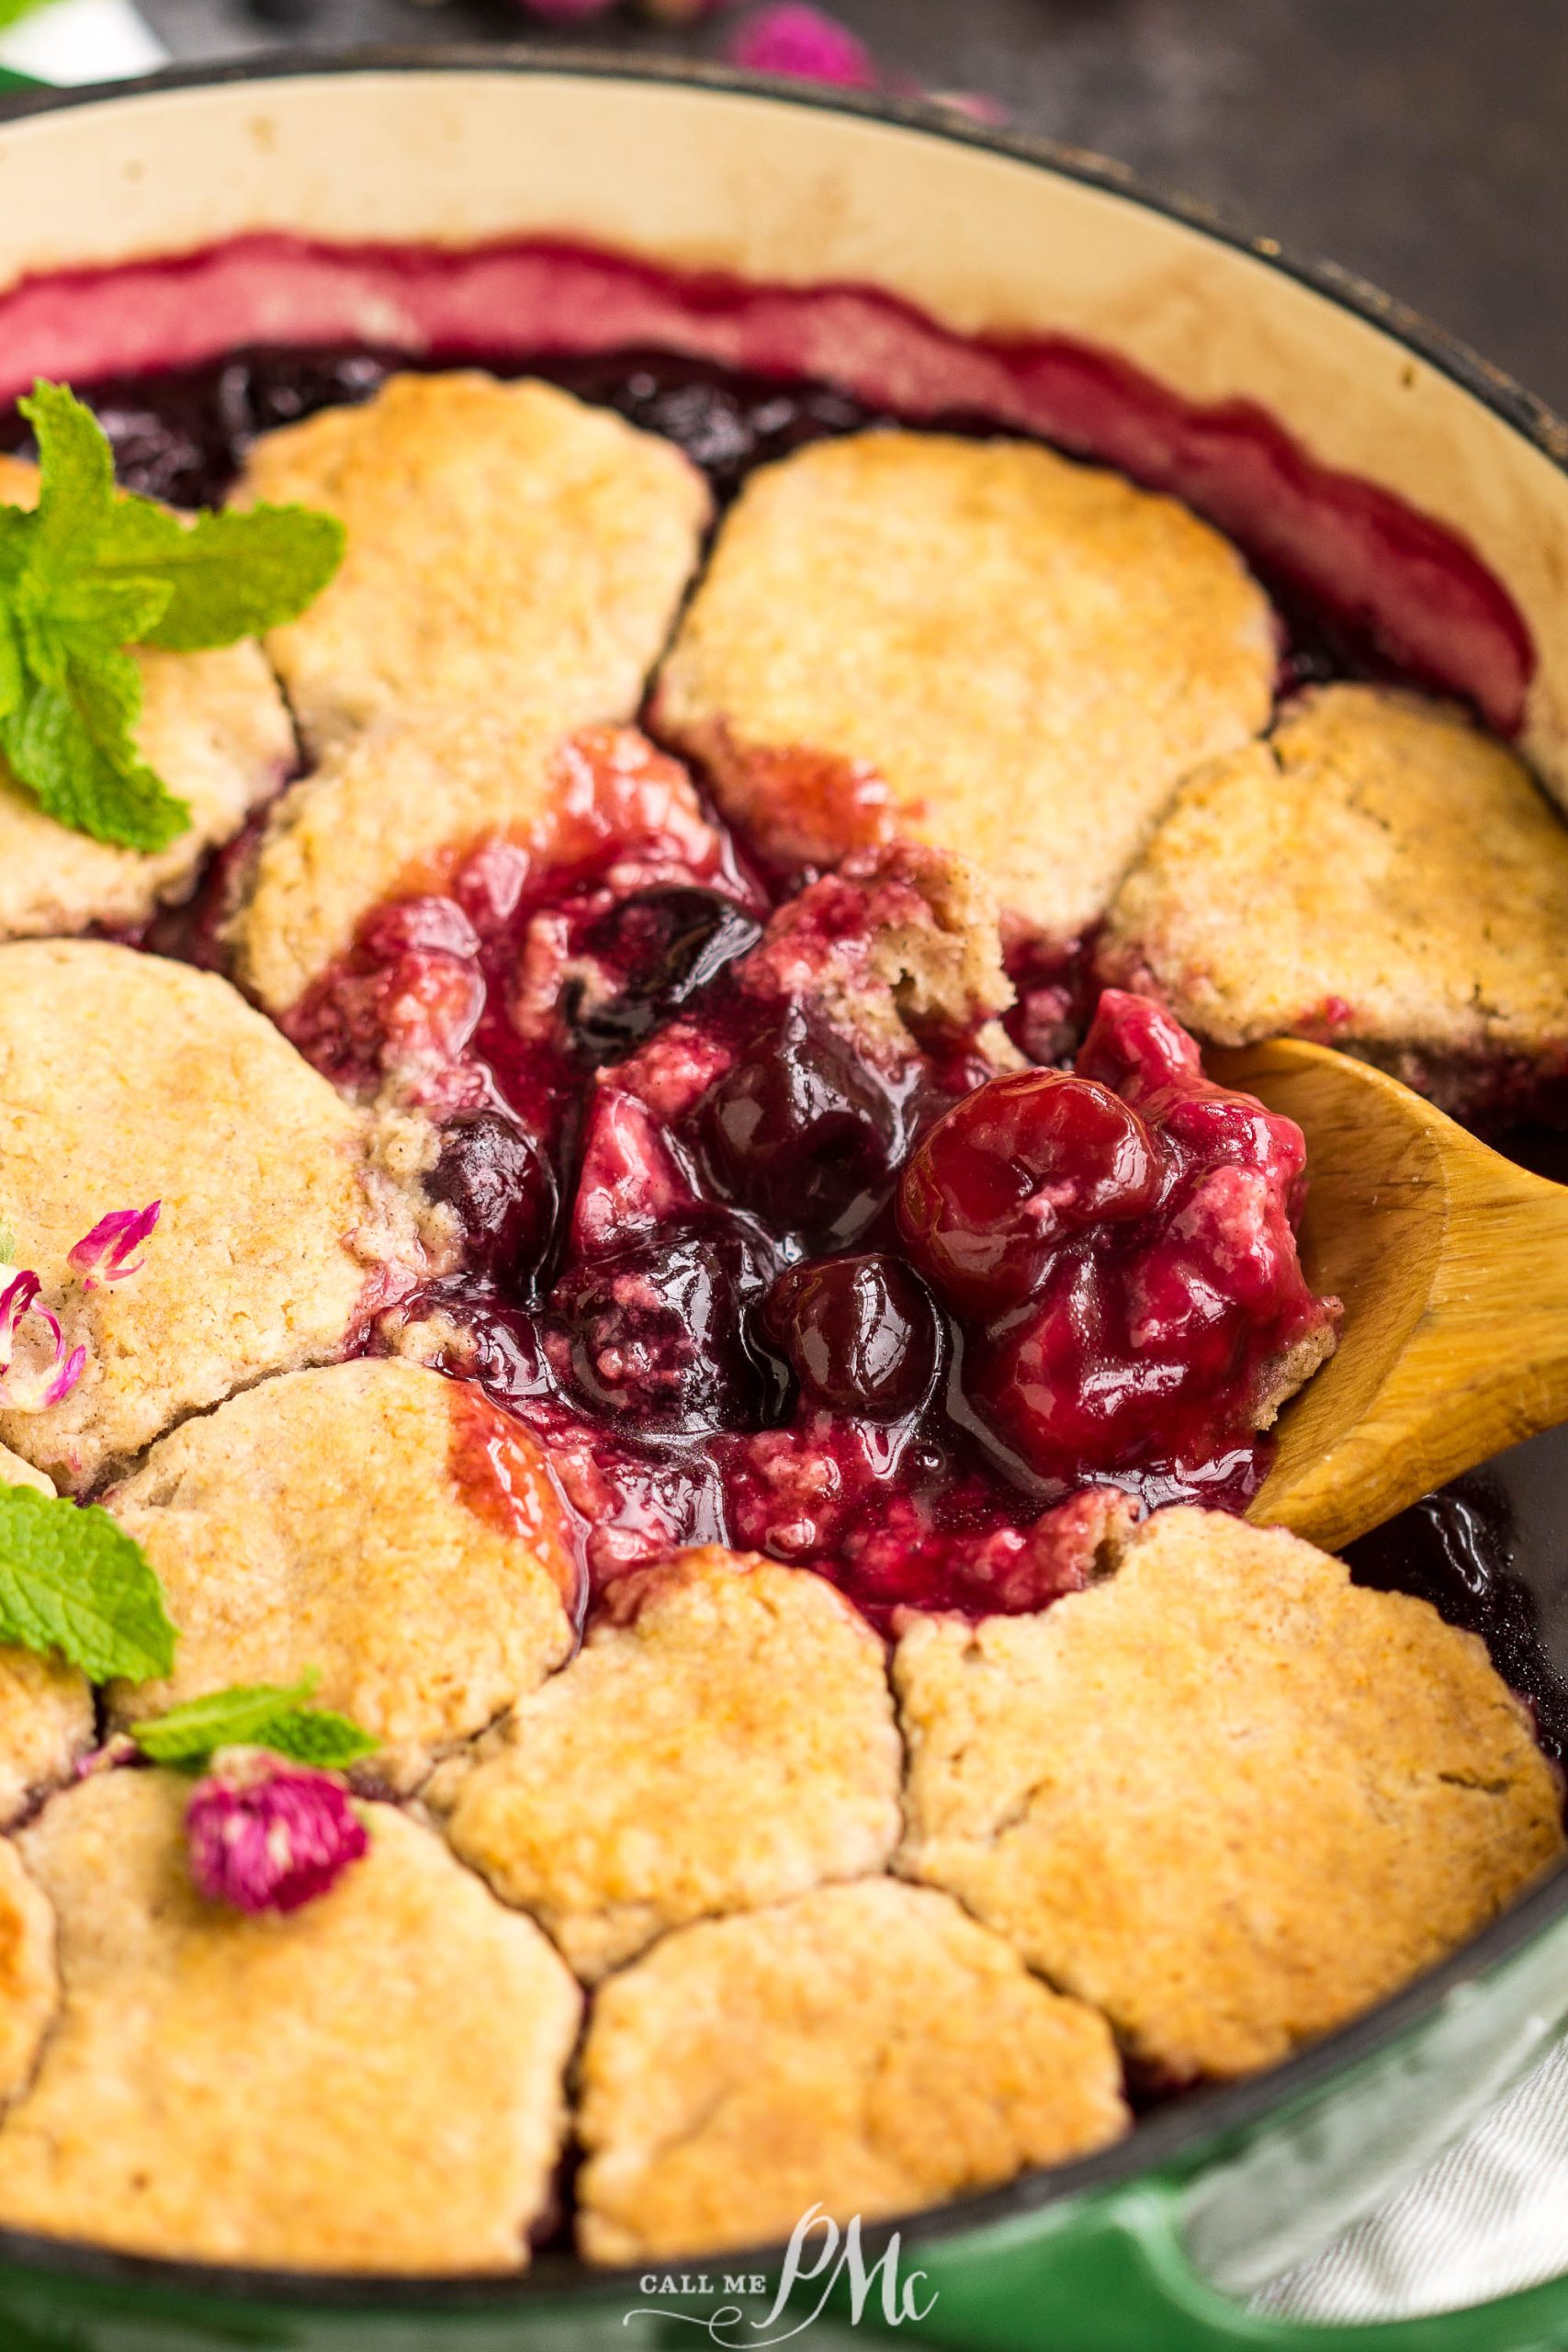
(230, 575)
(72, 746)
(93, 570)
(318, 1736)
(72, 1580)
(7, 1245)
(258, 1715)
(98, 611)
(76, 489)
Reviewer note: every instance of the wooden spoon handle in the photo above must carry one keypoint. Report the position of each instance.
(1453, 1265)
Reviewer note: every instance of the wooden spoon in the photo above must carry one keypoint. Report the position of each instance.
(1453, 1267)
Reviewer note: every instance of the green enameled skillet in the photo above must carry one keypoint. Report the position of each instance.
(1154, 2245)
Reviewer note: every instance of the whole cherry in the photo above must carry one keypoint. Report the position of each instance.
(1010, 1174)
(862, 1335)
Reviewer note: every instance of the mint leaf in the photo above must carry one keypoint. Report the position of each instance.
(259, 1714)
(72, 1580)
(318, 1736)
(93, 570)
(228, 576)
(72, 743)
(75, 474)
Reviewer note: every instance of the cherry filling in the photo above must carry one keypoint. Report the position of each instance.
(761, 1265)
(754, 1271)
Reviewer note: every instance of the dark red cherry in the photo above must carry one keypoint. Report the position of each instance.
(501, 1188)
(656, 1334)
(994, 1189)
(802, 1131)
(862, 1334)
(665, 947)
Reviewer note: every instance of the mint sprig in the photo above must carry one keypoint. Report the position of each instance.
(93, 570)
(261, 1715)
(72, 1580)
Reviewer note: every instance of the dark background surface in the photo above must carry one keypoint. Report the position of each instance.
(1423, 142)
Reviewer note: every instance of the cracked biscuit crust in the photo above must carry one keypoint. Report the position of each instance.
(864, 2048)
(373, 2083)
(126, 1079)
(976, 643)
(1228, 1797)
(1378, 872)
(509, 547)
(330, 1519)
(213, 726)
(731, 1741)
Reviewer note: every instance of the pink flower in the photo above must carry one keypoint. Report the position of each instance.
(31, 1383)
(268, 1836)
(104, 1255)
(799, 41)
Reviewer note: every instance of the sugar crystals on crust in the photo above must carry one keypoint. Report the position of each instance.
(374, 2082)
(509, 548)
(376, 1522)
(213, 727)
(1229, 1797)
(728, 1741)
(125, 1079)
(866, 2049)
(974, 642)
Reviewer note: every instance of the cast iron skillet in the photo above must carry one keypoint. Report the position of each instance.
(1094, 2256)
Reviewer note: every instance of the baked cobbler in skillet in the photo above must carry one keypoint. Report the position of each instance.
(700, 1332)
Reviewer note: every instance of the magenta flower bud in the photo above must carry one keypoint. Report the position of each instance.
(107, 1253)
(799, 41)
(268, 1835)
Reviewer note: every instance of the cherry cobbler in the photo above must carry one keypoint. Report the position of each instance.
(631, 1223)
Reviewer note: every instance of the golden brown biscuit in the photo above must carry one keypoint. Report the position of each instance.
(975, 642)
(865, 2048)
(125, 1079)
(730, 1743)
(1378, 872)
(509, 548)
(14, 1472)
(46, 1724)
(217, 730)
(29, 1987)
(379, 1524)
(373, 2083)
(1228, 1797)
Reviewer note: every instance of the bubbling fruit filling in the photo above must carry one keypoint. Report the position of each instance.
(775, 1238)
